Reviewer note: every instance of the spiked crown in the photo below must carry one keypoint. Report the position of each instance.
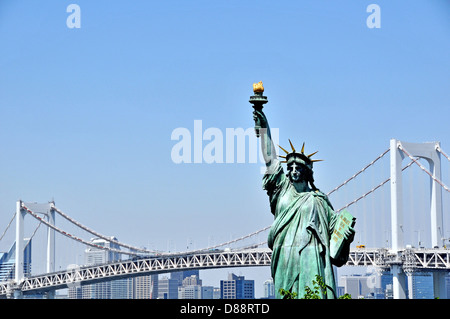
(305, 159)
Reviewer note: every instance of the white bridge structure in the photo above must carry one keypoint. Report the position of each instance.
(400, 259)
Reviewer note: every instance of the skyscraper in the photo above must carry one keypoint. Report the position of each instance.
(190, 292)
(179, 276)
(167, 288)
(357, 286)
(422, 285)
(113, 289)
(269, 289)
(237, 287)
(145, 287)
(8, 260)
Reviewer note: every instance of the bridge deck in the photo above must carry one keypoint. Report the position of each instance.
(410, 259)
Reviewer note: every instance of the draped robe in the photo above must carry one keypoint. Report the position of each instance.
(300, 236)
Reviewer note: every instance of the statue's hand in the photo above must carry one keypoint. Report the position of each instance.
(260, 119)
(349, 234)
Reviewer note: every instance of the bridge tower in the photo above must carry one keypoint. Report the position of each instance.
(19, 263)
(49, 211)
(428, 151)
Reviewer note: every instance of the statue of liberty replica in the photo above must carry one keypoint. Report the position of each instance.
(307, 236)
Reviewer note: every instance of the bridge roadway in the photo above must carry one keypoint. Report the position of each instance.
(409, 259)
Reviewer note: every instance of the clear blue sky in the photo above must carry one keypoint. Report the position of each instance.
(86, 115)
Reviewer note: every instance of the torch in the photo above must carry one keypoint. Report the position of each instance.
(258, 100)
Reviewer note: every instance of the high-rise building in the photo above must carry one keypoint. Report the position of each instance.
(181, 275)
(207, 292)
(357, 286)
(8, 261)
(216, 292)
(75, 292)
(190, 292)
(422, 285)
(447, 285)
(112, 289)
(237, 287)
(95, 255)
(188, 284)
(192, 289)
(269, 289)
(145, 287)
(167, 288)
(192, 280)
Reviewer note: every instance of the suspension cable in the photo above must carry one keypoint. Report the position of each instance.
(424, 169)
(34, 233)
(93, 232)
(354, 176)
(29, 211)
(438, 148)
(231, 241)
(78, 224)
(371, 191)
(7, 227)
(253, 245)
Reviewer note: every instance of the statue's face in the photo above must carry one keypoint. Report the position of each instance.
(296, 172)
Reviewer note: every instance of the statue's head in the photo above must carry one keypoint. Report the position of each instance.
(299, 165)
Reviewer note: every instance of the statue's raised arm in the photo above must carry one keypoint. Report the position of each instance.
(267, 146)
(262, 128)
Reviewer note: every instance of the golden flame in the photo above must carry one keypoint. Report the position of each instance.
(258, 87)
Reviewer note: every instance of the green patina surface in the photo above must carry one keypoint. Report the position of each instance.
(304, 219)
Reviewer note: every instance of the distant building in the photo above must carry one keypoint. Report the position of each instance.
(236, 287)
(447, 285)
(422, 285)
(8, 261)
(386, 284)
(358, 286)
(389, 292)
(216, 293)
(192, 280)
(190, 292)
(191, 288)
(269, 289)
(340, 291)
(167, 288)
(181, 275)
(145, 287)
(8, 265)
(208, 292)
(112, 289)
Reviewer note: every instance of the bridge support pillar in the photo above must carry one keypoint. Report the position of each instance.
(409, 276)
(396, 196)
(17, 294)
(19, 263)
(398, 282)
(51, 240)
(439, 284)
